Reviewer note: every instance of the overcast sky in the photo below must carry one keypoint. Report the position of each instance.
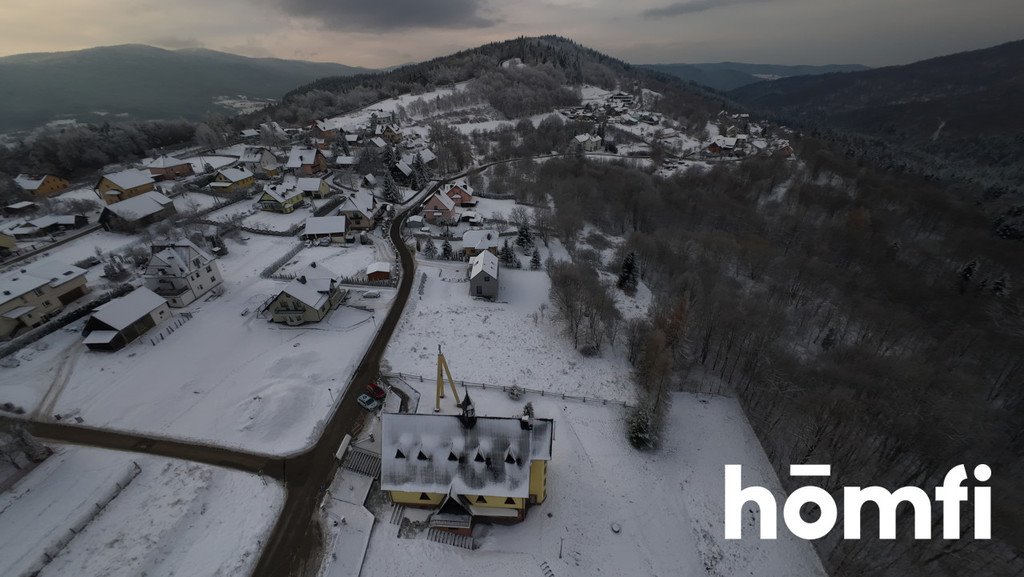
(377, 33)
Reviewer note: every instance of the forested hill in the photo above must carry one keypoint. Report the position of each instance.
(731, 75)
(552, 63)
(954, 116)
(138, 82)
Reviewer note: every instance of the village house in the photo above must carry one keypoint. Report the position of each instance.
(169, 168)
(45, 185)
(345, 161)
(232, 180)
(21, 207)
(377, 142)
(308, 299)
(136, 212)
(587, 142)
(249, 134)
(721, 145)
(328, 130)
(119, 322)
(312, 186)
(389, 133)
(359, 208)
(483, 275)
(306, 161)
(378, 271)
(283, 198)
(439, 210)
(123, 185)
(48, 225)
(181, 272)
(330, 227)
(475, 242)
(259, 160)
(402, 171)
(460, 192)
(33, 293)
(468, 468)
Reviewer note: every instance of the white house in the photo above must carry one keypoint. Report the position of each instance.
(181, 272)
(483, 275)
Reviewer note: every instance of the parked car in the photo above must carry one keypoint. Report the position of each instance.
(376, 391)
(367, 402)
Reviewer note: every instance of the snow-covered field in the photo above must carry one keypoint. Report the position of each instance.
(188, 202)
(199, 163)
(668, 503)
(172, 518)
(222, 377)
(478, 336)
(345, 261)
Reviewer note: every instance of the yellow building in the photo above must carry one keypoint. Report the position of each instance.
(280, 198)
(232, 179)
(469, 468)
(308, 299)
(35, 292)
(123, 185)
(45, 185)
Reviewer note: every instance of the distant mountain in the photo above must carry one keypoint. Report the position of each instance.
(955, 115)
(727, 76)
(141, 82)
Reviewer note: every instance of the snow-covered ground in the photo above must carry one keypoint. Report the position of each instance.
(345, 261)
(171, 518)
(222, 377)
(188, 202)
(199, 163)
(500, 342)
(668, 503)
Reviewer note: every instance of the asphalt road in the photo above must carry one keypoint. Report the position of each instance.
(295, 543)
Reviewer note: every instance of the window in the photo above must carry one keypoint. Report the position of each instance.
(452, 457)
(481, 499)
(424, 497)
(209, 268)
(422, 456)
(399, 454)
(479, 458)
(510, 501)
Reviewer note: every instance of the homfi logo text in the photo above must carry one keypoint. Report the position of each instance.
(951, 494)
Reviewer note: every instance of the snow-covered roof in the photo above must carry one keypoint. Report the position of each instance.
(403, 168)
(139, 206)
(29, 183)
(370, 179)
(29, 277)
(131, 178)
(483, 262)
(51, 219)
(724, 142)
(235, 174)
(460, 184)
(309, 184)
(299, 157)
(378, 142)
(282, 192)
(352, 138)
(165, 162)
(21, 204)
(379, 266)
(426, 154)
(480, 239)
(436, 453)
(178, 258)
(330, 124)
(312, 286)
(345, 160)
(13, 314)
(250, 133)
(324, 225)
(122, 312)
(582, 138)
(252, 154)
(448, 203)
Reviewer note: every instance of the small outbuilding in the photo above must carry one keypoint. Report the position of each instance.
(378, 271)
(113, 325)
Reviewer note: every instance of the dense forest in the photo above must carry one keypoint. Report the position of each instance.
(863, 319)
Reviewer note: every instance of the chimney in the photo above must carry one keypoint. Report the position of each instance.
(312, 264)
(302, 279)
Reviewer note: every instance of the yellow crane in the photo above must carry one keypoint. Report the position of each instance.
(442, 371)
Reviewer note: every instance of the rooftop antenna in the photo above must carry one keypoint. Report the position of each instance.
(443, 364)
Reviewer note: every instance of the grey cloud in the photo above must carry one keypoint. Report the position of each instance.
(385, 15)
(692, 6)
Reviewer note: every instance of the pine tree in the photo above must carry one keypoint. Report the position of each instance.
(627, 278)
(446, 250)
(535, 260)
(507, 256)
(391, 191)
(430, 251)
(525, 240)
(640, 427)
(391, 157)
(419, 172)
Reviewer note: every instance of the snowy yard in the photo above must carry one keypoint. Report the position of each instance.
(222, 377)
(477, 335)
(345, 261)
(668, 503)
(172, 518)
(200, 163)
(190, 202)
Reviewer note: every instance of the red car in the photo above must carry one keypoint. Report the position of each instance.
(376, 391)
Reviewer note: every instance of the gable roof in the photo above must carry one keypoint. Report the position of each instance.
(121, 312)
(403, 168)
(461, 460)
(460, 184)
(29, 277)
(316, 289)
(253, 154)
(178, 257)
(30, 183)
(309, 184)
(448, 203)
(235, 174)
(140, 206)
(480, 239)
(299, 157)
(131, 178)
(324, 225)
(485, 262)
(165, 162)
(282, 192)
(379, 266)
